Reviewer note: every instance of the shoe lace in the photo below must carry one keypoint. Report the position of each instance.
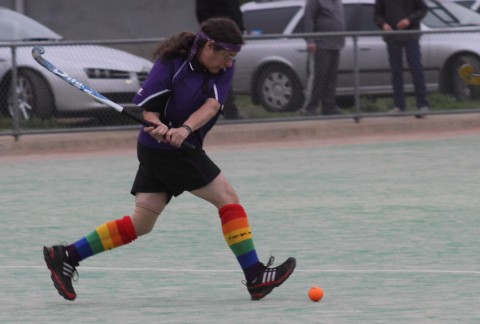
(75, 275)
(270, 261)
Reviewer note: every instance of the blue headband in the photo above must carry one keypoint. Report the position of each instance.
(226, 46)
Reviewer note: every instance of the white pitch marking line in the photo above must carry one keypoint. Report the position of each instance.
(432, 271)
(405, 271)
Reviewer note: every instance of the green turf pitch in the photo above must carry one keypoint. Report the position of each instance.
(390, 232)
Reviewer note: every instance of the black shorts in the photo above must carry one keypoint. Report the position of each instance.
(172, 171)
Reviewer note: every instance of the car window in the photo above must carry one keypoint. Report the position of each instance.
(300, 28)
(15, 26)
(268, 21)
(466, 3)
(443, 14)
(359, 17)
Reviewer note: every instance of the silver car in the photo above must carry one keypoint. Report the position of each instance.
(472, 4)
(274, 71)
(114, 73)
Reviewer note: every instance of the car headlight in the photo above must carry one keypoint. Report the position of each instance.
(94, 73)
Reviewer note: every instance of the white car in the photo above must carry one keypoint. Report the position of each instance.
(274, 71)
(115, 74)
(472, 4)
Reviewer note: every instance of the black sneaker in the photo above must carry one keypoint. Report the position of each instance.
(62, 270)
(269, 278)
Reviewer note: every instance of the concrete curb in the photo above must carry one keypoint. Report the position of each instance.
(321, 129)
(249, 133)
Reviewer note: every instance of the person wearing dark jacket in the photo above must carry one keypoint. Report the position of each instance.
(392, 15)
(206, 9)
(324, 16)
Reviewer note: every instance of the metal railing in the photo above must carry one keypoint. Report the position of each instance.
(71, 112)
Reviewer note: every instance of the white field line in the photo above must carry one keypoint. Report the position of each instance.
(185, 270)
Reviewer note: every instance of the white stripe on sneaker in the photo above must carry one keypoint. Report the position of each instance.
(269, 275)
(67, 269)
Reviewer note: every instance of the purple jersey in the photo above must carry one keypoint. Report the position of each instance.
(176, 89)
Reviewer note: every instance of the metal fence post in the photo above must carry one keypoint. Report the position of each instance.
(356, 79)
(14, 103)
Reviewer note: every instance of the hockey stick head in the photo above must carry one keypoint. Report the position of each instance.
(37, 52)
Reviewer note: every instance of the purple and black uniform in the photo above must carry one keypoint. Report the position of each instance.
(176, 89)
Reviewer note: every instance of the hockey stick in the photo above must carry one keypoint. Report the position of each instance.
(37, 52)
(467, 75)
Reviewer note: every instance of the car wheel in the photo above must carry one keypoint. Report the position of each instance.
(462, 90)
(34, 97)
(278, 89)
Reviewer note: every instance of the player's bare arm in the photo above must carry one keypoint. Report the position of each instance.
(207, 111)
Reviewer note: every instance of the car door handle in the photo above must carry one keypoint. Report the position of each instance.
(302, 50)
(365, 49)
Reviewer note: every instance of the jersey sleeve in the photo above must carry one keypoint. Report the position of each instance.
(155, 91)
(222, 85)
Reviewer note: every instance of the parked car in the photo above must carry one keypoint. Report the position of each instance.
(472, 4)
(274, 70)
(114, 73)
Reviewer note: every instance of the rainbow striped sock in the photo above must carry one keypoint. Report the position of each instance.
(107, 236)
(238, 236)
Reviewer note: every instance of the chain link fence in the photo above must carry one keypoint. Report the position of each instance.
(271, 80)
(42, 102)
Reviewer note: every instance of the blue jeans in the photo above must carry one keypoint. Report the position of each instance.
(414, 60)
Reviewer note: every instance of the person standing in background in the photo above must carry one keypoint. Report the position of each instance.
(324, 16)
(206, 9)
(392, 15)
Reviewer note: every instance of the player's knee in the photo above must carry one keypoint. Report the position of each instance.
(144, 218)
(229, 196)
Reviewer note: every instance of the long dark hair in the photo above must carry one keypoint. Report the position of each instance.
(179, 45)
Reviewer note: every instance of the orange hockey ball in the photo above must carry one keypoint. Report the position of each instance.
(315, 293)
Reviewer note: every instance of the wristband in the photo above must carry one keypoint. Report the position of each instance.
(190, 131)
